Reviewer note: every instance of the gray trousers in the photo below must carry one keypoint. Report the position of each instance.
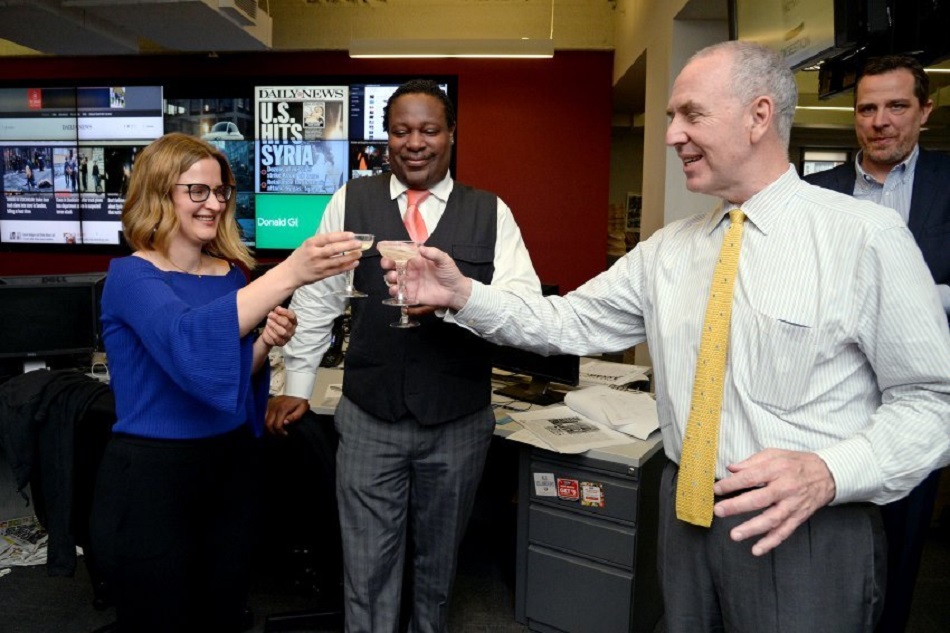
(391, 475)
(828, 575)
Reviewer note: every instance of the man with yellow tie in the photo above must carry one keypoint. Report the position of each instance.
(801, 357)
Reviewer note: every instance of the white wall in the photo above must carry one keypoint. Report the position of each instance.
(689, 36)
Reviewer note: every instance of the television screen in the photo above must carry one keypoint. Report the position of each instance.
(68, 154)
(227, 122)
(369, 149)
(367, 102)
(301, 146)
(119, 113)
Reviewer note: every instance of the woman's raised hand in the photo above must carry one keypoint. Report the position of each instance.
(324, 255)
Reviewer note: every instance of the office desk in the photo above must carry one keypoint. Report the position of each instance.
(582, 563)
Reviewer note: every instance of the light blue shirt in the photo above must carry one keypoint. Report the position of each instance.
(838, 342)
(896, 190)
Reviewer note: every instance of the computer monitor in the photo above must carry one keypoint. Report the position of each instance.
(542, 370)
(43, 323)
(563, 369)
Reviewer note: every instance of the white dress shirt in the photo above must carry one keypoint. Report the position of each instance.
(316, 304)
(838, 341)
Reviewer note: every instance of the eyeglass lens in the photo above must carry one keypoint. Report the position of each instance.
(201, 192)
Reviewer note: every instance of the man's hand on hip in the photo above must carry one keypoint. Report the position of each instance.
(789, 486)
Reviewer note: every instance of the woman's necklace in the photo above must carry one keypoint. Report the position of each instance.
(196, 271)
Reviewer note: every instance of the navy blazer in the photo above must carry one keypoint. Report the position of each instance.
(929, 220)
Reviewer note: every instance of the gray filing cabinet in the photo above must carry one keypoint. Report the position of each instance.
(589, 564)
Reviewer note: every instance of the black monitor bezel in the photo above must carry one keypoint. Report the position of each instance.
(92, 287)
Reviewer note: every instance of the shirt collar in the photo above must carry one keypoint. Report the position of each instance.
(764, 207)
(440, 190)
(903, 170)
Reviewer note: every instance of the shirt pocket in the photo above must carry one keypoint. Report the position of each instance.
(782, 359)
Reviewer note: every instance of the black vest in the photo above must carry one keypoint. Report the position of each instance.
(436, 372)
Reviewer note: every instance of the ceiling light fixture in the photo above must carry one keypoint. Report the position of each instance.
(826, 108)
(524, 48)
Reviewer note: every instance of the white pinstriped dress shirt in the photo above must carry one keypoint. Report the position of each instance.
(839, 344)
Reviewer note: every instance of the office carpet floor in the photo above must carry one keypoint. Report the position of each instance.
(31, 602)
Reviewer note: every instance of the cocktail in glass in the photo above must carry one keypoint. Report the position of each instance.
(366, 240)
(400, 252)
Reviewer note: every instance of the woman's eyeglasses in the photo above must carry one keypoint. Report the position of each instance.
(200, 193)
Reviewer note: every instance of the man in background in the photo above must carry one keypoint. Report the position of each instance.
(824, 394)
(891, 103)
(415, 420)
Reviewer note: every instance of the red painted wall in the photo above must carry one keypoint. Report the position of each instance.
(535, 132)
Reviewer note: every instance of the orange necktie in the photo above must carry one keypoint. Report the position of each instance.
(413, 220)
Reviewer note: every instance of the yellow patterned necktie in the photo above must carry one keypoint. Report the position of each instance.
(694, 489)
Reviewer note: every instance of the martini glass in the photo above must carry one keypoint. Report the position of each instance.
(366, 240)
(400, 252)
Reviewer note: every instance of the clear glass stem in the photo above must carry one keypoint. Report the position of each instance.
(401, 277)
(404, 316)
(349, 282)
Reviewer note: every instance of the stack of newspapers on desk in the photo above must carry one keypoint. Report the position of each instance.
(605, 411)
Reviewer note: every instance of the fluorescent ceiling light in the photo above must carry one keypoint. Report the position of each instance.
(523, 48)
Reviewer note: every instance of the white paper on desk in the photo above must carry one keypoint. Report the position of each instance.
(630, 412)
(332, 395)
(598, 372)
(563, 430)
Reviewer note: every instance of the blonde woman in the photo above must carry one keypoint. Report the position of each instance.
(173, 516)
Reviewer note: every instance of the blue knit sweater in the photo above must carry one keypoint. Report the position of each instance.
(178, 367)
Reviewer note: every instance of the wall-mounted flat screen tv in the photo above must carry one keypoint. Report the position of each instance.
(67, 155)
(68, 152)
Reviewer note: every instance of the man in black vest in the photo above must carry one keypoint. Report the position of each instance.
(415, 420)
(891, 103)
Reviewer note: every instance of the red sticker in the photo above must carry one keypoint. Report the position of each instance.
(568, 489)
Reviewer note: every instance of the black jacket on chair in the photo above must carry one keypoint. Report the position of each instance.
(39, 415)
